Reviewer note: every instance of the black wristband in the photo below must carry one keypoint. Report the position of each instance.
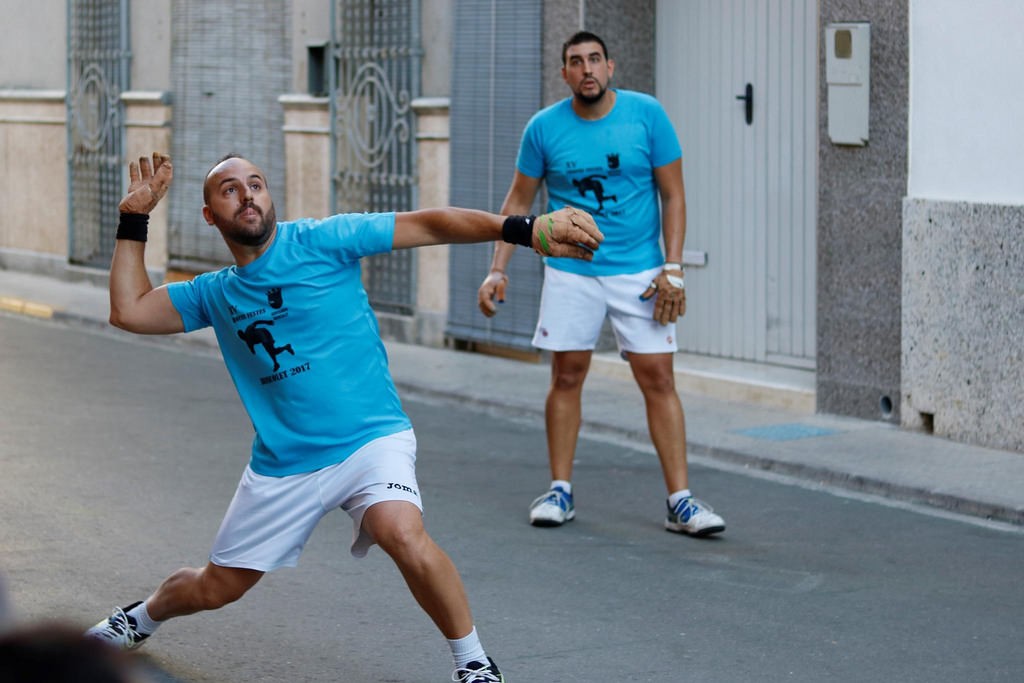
(133, 226)
(518, 230)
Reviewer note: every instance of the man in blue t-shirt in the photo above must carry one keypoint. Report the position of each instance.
(614, 153)
(301, 343)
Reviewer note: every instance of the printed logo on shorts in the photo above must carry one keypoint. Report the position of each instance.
(668, 339)
(543, 331)
(403, 487)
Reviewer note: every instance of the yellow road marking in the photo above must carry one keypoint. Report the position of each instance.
(36, 310)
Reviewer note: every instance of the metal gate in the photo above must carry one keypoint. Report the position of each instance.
(374, 77)
(98, 71)
(739, 80)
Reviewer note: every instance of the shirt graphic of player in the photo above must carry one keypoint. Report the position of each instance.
(591, 183)
(254, 334)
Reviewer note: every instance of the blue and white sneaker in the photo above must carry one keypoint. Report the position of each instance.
(694, 517)
(554, 508)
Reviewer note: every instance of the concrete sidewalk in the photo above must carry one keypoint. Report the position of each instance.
(857, 455)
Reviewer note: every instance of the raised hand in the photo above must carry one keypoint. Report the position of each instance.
(149, 183)
(567, 232)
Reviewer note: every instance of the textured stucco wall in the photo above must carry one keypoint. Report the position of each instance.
(860, 194)
(963, 312)
(627, 28)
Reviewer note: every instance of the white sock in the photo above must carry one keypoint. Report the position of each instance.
(467, 649)
(562, 484)
(674, 498)
(144, 624)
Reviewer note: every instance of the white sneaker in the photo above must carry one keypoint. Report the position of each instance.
(119, 629)
(693, 517)
(554, 508)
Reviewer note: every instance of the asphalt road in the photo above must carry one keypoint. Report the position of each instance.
(118, 456)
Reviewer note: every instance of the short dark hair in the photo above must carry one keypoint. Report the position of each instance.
(583, 37)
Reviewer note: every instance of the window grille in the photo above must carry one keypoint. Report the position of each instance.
(98, 71)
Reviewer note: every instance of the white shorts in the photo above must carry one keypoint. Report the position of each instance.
(573, 308)
(270, 518)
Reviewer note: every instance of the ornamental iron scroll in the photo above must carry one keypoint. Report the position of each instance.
(373, 116)
(95, 108)
(374, 78)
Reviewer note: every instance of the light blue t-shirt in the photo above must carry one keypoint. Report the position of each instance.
(606, 167)
(301, 342)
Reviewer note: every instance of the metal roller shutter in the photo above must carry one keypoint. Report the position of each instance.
(496, 88)
(228, 67)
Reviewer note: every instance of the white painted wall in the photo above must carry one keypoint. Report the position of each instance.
(33, 49)
(967, 101)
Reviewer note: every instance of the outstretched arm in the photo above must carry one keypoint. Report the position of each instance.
(134, 304)
(567, 232)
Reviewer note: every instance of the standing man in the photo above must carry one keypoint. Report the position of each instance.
(330, 429)
(613, 152)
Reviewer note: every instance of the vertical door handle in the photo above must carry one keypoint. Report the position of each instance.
(748, 102)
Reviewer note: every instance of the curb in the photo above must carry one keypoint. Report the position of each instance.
(712, 454)
(914, 495)
(25, 307)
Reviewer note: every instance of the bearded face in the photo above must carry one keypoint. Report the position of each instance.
(587, 71)
(250, 225)
(239, 204)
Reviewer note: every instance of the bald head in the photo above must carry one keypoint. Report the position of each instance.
(229, 166)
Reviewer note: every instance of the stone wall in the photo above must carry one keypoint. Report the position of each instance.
(963, 314)
(860, 194)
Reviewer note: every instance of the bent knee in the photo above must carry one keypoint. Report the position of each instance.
(223, 586)
(401, 538)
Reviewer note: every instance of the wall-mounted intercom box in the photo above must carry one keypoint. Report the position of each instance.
(848, 75)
